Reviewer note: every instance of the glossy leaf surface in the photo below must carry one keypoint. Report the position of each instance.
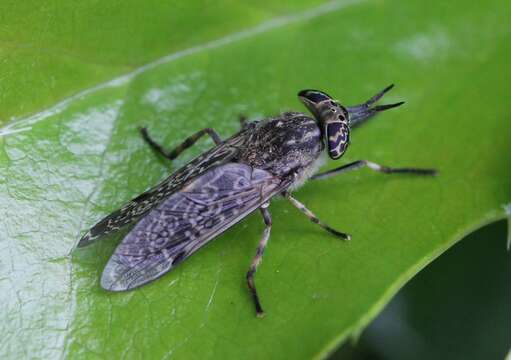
(66, 167)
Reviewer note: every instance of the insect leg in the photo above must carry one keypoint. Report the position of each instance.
(258, 258)
(373, 166)
(172, 154)
(243, 120)
(314, 218)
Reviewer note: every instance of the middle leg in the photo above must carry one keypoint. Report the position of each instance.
(314, 218)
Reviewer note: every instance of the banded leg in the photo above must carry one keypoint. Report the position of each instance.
(373, 166)
(258, 258)
(174, 153)
(314, 218)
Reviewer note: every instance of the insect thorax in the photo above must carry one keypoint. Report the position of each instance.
(287, 145)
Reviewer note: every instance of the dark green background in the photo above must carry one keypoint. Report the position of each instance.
(456, 308)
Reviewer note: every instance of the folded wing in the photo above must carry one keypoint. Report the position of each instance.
(187, 220)
(143, 203)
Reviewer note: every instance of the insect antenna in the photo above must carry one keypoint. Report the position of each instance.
(358, 114)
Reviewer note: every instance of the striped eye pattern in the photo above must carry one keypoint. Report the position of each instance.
(338, 138)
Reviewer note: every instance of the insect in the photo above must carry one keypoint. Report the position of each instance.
(239, 175)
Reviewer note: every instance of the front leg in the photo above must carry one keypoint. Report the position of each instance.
(174, 153)
(373, 166)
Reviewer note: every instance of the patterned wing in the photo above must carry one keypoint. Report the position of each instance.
(140, 205)
(187, 220)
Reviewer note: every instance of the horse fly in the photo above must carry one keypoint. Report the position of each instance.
(222, 186)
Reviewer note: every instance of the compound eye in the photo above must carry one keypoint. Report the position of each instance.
(338, 138)
(314, 96)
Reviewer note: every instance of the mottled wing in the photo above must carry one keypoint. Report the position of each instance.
(140, 205)
(187, 220)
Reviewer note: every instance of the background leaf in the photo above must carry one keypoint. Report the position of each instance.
(456, 308)
(52, 49)
(65, 167)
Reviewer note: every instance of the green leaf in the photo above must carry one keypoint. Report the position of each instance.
(469, 285)
(49, 50)
(67, 166)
